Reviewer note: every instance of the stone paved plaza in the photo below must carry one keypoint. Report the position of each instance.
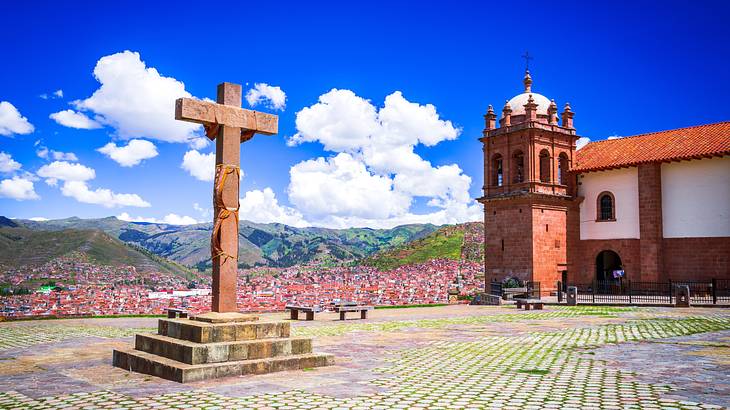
(454, 357)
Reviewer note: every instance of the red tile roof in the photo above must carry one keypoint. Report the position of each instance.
(702, 141)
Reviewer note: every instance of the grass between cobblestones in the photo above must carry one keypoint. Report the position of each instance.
(528, 371)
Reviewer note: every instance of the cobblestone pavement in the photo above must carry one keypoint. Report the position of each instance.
(454, 357)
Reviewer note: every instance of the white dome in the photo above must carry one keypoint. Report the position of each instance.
(517, 103)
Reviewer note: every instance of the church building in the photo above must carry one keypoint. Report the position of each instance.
(652, 207)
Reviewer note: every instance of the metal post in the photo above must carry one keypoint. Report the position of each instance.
(671, 291)
(593, 296)
(714, 291)
(629, 284)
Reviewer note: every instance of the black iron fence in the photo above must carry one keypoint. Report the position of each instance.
(625, 291)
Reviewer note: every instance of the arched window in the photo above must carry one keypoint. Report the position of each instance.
(563, 169)
(497, 171)
(544, 166)
(518, 167)
(606, 207)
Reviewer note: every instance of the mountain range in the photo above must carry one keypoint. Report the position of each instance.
(147, 244)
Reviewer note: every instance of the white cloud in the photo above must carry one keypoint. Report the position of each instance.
(7, 163)
(200, 166)
(73, 119)
(206, 213)
(581, 142)
(262, 206)
(18, 188)
(170, 219)
(614, 137)
(132, 154)
(376, 174)
(75, 177)
(65, 171)
(136, 100)
(11, 122)
(56, 94)
(38, 219)
(198, 143)
(80, 191)
(45, 153)
(262, 93)
(342, 186)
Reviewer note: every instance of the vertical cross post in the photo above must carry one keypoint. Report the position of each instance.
(229, 125)
(227, 154)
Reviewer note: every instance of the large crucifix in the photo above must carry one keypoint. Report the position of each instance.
(229, 125)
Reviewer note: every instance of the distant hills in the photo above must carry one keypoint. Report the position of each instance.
(458, 242)
(21, 246)
(149, 244)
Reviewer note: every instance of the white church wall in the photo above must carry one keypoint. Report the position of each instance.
(623, 184)
(696, 198)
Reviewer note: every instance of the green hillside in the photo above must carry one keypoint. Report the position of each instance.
(25, 247)
(457, 242)
(259, 244)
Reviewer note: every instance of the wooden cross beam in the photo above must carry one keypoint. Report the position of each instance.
(229, 125)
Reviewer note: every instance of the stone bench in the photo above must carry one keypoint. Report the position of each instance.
(308, 310)
(342, 310)
(535, 304)
(173, 313)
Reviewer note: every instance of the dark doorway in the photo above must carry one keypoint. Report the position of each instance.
(608, 262)
(564, 281)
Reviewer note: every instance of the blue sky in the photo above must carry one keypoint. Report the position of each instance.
(626, 68)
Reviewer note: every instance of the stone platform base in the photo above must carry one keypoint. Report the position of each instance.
(212, 346)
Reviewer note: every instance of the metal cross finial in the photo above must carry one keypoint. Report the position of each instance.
(527, 58)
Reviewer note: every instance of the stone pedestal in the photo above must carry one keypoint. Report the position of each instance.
(218, 345)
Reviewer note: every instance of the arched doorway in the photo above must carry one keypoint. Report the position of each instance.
(607, 262)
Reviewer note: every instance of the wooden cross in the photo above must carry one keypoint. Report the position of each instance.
(229, 125)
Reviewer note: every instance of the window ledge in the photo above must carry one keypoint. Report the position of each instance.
(606, 220)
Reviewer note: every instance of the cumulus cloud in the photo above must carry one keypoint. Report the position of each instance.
(136, 100)
(342, 185)
(75, 179)
(581, 142)
(130, 155)
(198, 143)
(376, 173)
(169, 219)
(269, 96)
(80, 191)
(7, 163)
(73, 119)
(200, 166)
(11, 122)
(65, 171)
(18, 188)
(263, 207)
(56, 94)
(45, 153)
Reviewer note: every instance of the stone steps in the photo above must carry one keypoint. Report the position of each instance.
(204, 332)
(198, 353)
(218, 345)
(148, 363)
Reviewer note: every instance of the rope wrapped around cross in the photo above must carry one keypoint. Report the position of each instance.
(221, 173)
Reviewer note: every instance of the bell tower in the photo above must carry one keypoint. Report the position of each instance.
(530, 208)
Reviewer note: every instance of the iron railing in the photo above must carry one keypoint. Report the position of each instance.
(625, 291)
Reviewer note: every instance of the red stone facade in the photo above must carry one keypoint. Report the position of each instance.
(531, 208)
(529, 193)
